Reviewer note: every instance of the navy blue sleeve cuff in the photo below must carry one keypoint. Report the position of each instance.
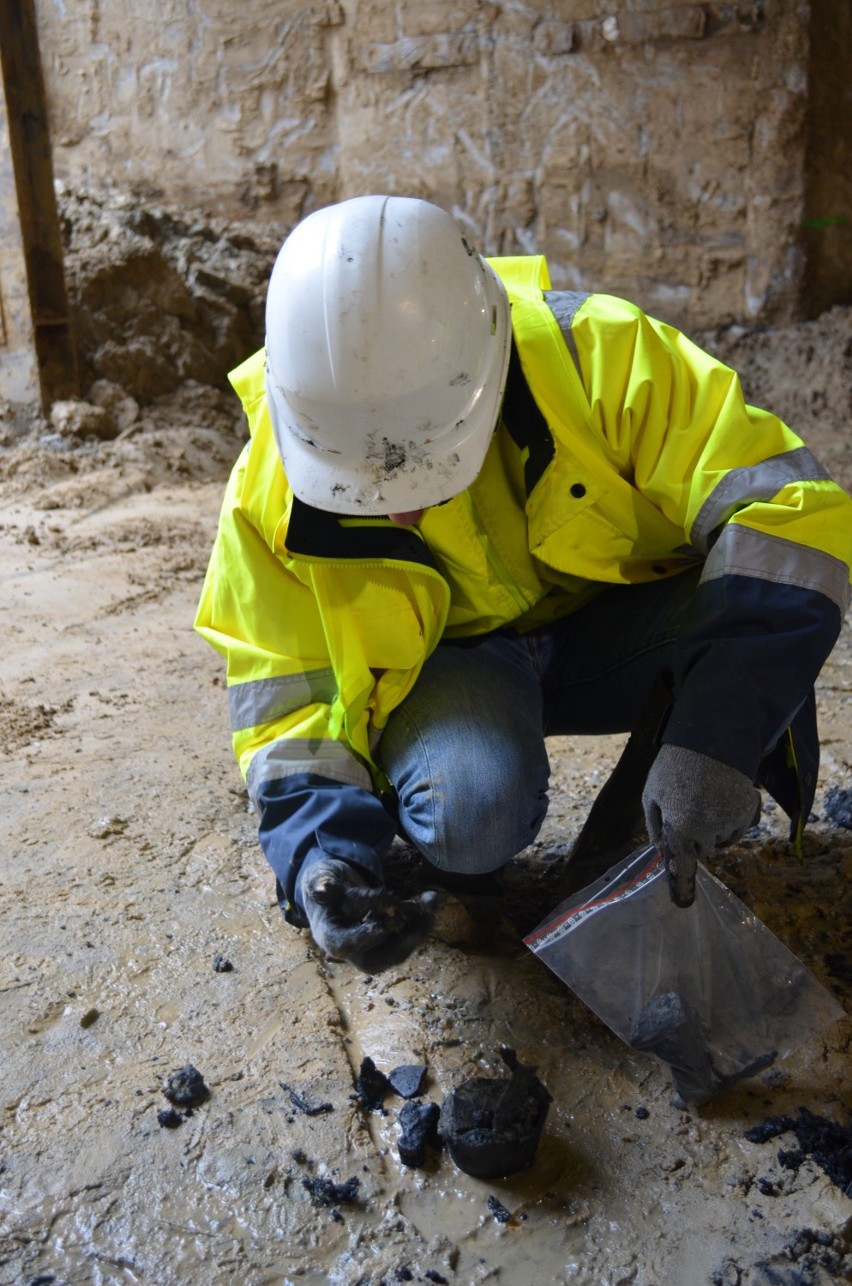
(306, 813)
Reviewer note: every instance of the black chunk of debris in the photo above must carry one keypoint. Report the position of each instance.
(492, 1126)
(768, 1129)
(303, 1104)
(766, 1187)
(407, 1080)
(371, 1086)
(432, 1276)
(419, 1122)
(186, 1087)
(498, 1210)
(670, 1028)
(838, 806)
(336, 1216)
(221, 964)
(827, 1142)
(325, 1192)
(404, 1274)
(642, 1114)
(168, 1118)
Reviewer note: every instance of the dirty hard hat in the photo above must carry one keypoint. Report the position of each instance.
(387, 345)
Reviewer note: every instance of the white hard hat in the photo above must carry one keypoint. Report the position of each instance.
(387, 346)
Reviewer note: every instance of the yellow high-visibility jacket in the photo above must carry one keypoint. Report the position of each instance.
(624, 453)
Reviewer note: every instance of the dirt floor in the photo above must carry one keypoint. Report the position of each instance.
(129, 864)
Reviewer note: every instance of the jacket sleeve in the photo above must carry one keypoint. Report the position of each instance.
(311, 791)
(774, 530)
(304, 813)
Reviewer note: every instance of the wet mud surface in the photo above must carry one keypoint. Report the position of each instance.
(129, 863)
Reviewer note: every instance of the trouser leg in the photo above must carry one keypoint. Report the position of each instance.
(466, 756)
(608, 673)
(601, 664)
(465, 752)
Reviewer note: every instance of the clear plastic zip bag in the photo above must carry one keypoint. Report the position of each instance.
(709, 990)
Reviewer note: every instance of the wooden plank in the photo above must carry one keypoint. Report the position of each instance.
(29, 140)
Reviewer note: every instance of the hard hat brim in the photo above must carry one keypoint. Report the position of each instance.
(397, 476)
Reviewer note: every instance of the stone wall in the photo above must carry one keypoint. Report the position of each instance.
(653, 150)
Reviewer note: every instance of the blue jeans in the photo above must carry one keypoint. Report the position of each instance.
(465, 752)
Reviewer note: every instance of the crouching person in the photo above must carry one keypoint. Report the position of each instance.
(473, 513)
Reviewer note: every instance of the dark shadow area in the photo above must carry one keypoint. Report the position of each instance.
(827, 222)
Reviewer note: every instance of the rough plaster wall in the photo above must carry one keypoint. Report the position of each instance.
(653, 150)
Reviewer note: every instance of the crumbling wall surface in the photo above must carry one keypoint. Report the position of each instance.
(649, 148)
(159, 298)
(653, 152)
(208, 103)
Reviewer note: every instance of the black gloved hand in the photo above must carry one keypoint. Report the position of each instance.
(692, 804)
(350, 920)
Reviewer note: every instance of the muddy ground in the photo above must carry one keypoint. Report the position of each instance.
(129, 862)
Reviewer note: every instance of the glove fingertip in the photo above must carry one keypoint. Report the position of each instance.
(680, 897)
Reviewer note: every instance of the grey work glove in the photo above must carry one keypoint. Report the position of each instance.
(692, 804)
(352, 920)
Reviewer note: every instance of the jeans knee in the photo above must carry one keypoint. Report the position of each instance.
(472, 832)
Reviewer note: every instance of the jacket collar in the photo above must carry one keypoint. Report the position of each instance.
(313, 533)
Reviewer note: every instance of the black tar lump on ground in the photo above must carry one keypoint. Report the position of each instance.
(826, 1142)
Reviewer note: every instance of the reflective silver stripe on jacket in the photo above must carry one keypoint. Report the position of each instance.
(289, 755)
(565, 304)
(262, 700)
(753, 482)
(741, 551)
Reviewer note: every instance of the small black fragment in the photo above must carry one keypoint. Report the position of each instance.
(299, 1155)
(221, 964)
(43, 1279)
(433, 1276)
(336, 1216)
(419, 1123)
(371, 1085)
(404, 1275)
(303, 1104)
(168, 1118)
(325, 1192)
(407, 1081)
(186, 1087)
(768, 1129)
(642, 1113)
(838, 806)
(498, 1210)
(767, 1188)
